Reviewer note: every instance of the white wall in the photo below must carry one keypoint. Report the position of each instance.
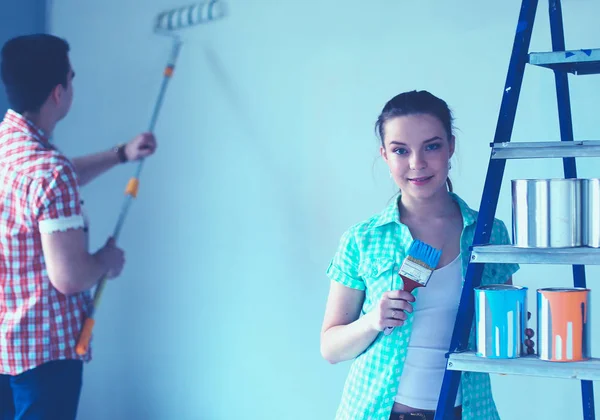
(19, 18)
(267, 153)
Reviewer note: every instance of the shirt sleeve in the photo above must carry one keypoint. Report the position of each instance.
(57, 202)
(500, 236)
(343, 268)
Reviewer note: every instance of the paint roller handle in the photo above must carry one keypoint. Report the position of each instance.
(85, 335)
(83, 342)
(131, 191)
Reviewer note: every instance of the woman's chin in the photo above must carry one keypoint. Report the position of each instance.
(424, 190)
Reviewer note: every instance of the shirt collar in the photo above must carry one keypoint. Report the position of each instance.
(21, 123)
(391, 213)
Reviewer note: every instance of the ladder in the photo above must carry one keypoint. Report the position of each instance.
(561, 62)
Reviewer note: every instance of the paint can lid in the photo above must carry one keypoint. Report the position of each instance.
(501, 287)
(563, 289)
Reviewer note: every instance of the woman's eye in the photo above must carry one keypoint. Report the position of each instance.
(433, 146)
(400, 151)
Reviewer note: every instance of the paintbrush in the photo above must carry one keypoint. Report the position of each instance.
(417, 268)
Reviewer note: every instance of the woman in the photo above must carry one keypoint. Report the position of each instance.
(399, 376)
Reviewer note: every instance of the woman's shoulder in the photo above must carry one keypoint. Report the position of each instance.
(389, 215)
(374, 230)
(362, 228)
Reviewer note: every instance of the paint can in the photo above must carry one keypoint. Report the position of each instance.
(591, 212)
(500, 316)
(547, 213)
(563, 324)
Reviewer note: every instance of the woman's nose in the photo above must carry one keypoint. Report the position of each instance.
(417, 162)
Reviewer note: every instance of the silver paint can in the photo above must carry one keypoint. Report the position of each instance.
(591, 212)
(547, 213)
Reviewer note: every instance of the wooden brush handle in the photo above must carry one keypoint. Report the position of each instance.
(410, 285)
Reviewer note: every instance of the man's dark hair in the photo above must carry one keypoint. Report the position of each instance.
(33, 65)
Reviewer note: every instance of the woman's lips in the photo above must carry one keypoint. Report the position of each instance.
(420, 180)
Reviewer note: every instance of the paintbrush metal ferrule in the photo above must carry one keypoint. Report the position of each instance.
(419, 262)
(415, 271)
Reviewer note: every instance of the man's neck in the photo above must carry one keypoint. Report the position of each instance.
(41, 121)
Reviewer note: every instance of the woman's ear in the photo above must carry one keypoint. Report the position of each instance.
(452, 144)
(383, 153)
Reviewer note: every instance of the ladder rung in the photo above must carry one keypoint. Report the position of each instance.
(527, 365)
(579, 62)
(512, 254)
(548, 149)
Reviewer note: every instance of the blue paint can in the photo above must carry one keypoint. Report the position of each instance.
(501, 317)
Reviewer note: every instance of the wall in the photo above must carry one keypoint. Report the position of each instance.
(20, 17)
(267, 154)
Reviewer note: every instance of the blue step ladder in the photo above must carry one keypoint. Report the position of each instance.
(561, 62)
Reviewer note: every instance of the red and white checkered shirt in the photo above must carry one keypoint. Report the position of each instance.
(39, 194)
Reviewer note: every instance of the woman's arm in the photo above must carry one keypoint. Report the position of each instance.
(345, 334)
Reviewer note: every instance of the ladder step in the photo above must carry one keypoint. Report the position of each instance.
(512, 254)
(579, 62)
(529, 365)
(547, 149)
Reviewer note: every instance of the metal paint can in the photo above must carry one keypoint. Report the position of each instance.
(591, 212)
(547, 213)
(500, 316)
(563, 324)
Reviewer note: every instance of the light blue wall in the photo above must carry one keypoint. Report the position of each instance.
(20, 17)
(267, 154)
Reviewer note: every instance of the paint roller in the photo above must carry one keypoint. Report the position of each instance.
(167, 23)
(183, 17)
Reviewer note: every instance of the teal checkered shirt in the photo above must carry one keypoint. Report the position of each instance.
(369, 256)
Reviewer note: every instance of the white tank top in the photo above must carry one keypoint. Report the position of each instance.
(435, 311)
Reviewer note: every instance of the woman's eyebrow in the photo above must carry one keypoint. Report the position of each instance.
(426, 141)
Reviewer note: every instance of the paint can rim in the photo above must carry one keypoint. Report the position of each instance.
(563, 289)
(501, 288)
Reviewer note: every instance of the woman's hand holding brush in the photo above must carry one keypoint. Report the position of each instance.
(391, 310)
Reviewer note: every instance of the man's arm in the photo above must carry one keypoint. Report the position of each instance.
(90, 166)
(71, 268)
(56, 207)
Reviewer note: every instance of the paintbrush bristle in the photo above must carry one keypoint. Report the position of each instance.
(424, 254)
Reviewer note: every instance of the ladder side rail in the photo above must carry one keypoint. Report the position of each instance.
(491, 191)
(569, 164)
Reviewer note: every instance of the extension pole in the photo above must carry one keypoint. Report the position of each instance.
(131, 191)
(166, 23)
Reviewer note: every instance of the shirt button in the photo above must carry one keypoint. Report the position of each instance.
(466, 403)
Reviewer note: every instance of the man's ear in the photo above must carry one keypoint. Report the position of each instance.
(56, 93)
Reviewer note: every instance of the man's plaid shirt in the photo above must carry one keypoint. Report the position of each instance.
(39, 194)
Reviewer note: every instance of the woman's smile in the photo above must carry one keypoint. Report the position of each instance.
(421, 180)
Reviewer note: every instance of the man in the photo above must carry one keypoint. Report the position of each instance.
(46, 269)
